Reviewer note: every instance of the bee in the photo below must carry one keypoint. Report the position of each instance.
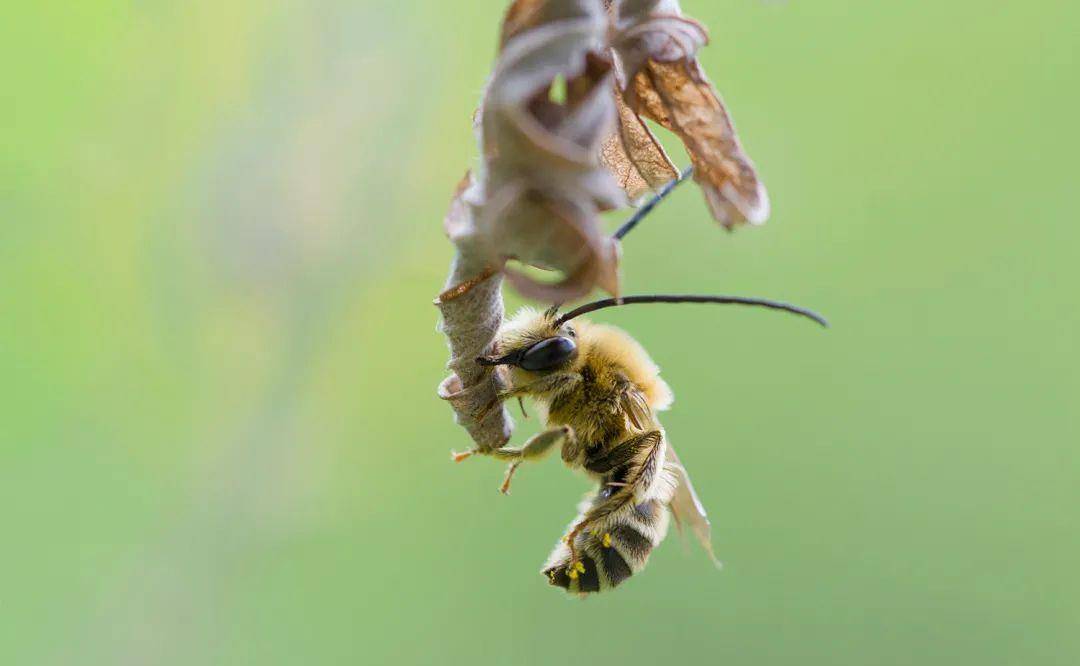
(598, 392)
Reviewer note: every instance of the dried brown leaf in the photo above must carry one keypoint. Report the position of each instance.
(554, 235)
(542, 184)
(634, 155)
(654, 30)
(458, 223)
(655, 47)
(678, 96)
(523, 15)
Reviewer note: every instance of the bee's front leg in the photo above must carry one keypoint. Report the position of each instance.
(549, 385)
(535, 448)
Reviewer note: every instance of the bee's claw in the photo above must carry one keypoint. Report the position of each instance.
(458, 457)
(505, 487)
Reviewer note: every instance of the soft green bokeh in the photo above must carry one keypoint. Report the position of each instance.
(219, 440)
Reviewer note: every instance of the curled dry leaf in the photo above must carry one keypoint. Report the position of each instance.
(537, 194)
(634, 155)
(661, 78)
(542, 184)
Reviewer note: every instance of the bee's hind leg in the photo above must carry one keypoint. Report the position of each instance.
(614, 496)
(535, 448)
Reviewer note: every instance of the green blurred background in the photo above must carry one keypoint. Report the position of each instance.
(220, 234)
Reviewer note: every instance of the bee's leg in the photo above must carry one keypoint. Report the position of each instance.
(535, 448)
(552, 384)
(458, 456)
(572, 448)
(613, 497)
(510, 469)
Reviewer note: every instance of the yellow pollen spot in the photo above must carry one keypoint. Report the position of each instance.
(607, 540)
(573, 574)
(580, 567)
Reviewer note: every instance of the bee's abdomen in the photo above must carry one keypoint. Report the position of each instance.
(612, 551)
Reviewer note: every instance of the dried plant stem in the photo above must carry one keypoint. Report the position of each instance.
(472, 310)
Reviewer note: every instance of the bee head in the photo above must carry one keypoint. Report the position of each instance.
(535, 342)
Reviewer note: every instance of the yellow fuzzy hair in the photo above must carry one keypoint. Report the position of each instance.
(616, 346)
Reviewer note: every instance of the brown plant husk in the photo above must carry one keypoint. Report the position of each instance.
(662, 80)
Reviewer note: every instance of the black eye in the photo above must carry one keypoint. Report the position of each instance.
(548, 354)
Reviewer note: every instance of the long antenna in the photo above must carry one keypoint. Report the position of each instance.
(638, 216)
(691, 298)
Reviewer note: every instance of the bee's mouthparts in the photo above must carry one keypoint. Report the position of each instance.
(509, 359)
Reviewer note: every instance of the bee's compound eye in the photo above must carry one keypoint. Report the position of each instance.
(548, 354)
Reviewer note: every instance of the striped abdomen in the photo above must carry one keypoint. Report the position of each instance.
(616, 547)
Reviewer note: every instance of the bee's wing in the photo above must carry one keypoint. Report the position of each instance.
(687, 508)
